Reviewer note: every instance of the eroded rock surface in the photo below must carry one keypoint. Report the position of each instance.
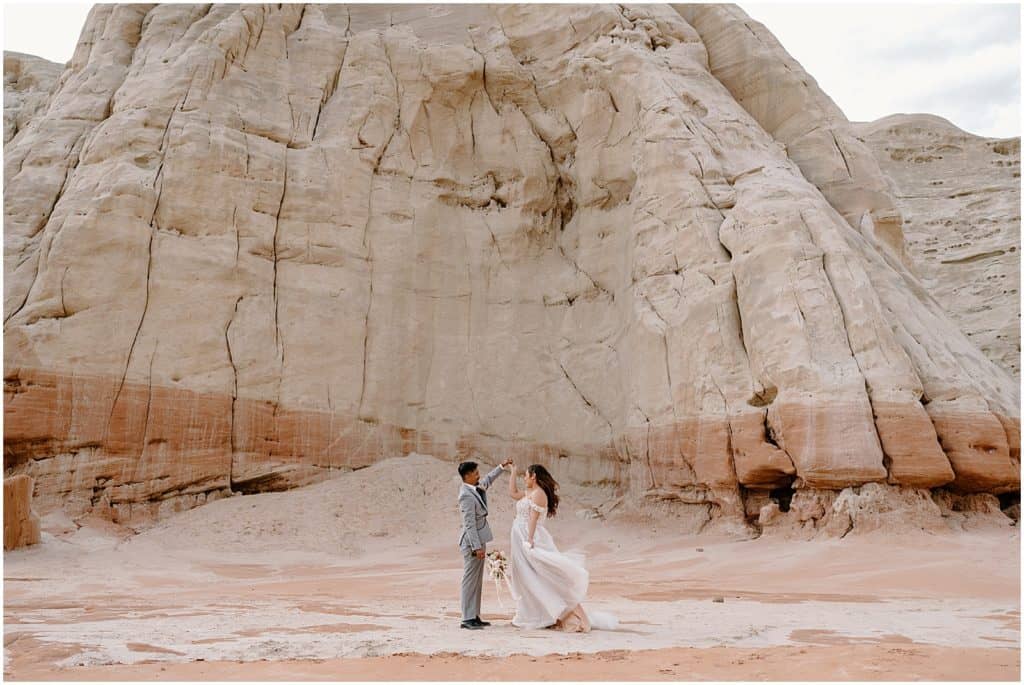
(960, 198)
(249, 245)
(28, 83)
(788, 103)
(21, 525)
(875, 508)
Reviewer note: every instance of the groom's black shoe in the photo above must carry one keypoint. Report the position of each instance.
(470, 625)
(479, 622)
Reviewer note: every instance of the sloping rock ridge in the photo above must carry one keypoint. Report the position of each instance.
(246, 246)
(960, 198)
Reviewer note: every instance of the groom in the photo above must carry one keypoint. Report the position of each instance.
(475, 534)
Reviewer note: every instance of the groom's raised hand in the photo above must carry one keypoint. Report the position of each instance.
(506, 465)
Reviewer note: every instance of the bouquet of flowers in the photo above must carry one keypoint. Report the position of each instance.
(497, 570)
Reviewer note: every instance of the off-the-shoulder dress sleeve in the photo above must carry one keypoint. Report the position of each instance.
(536, 507)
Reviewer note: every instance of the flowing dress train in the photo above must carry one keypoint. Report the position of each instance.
(548, 585)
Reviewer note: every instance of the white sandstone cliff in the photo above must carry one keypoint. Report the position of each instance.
(245, 245)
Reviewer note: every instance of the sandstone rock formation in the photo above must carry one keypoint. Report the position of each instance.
(876, 508)
(28, 83)
(788, 103)
(960, 198)
(21, 525)
(248, 245)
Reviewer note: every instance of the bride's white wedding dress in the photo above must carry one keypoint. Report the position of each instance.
(548, 585)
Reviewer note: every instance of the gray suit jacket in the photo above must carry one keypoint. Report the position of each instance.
(475, 531)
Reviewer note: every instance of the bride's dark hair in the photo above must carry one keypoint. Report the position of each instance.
(546, 483)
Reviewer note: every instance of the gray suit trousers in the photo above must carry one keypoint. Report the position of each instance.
(472, 584)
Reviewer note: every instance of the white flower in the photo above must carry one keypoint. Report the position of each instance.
(497, 565)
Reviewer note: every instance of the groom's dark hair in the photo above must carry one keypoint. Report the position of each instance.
(466, 468)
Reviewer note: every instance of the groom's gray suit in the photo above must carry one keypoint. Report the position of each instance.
(475, 535)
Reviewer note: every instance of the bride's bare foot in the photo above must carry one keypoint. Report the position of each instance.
(574, 622)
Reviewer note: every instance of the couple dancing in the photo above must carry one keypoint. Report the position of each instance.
(547, 585)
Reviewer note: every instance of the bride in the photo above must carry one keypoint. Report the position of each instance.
(546, 584)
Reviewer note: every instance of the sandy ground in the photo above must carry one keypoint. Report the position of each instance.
(357, 578)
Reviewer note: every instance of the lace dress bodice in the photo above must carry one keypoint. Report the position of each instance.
(523, 508)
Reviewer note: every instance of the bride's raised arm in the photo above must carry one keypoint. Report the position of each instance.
(512, 489)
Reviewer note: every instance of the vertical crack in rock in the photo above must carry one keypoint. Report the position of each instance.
(319, 110)
(734, 300)
(846, 336)
(288, 95)
(923, 400)
(149, 399)
(728, 427)
(800, 311)
(647, 453)
(234, 371)
(234, 225)
(143, 25)
(842, 154)
(28, 292)
(714, 134)
(328, 92)
(63, 307)
(76, 150)
(668, 368)
(483, 76)
(769, 434)
(472, 128)
(469, 333)
(254, 43)
(153, 227)
(587, 402)
(245, 139)
(882, 257)
(369, 218)
(728, 413)
(366, 338)
(298, 24)
(472, 395)
(145, 308)
(846, 323)
(849, 527)
(494, 241)
(700, 166)
(277, 225)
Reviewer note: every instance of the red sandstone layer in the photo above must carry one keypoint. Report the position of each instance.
(139, 450)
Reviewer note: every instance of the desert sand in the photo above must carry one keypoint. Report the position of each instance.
(259, 260)
(356, 578)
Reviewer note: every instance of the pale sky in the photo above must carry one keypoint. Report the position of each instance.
(960, 61)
